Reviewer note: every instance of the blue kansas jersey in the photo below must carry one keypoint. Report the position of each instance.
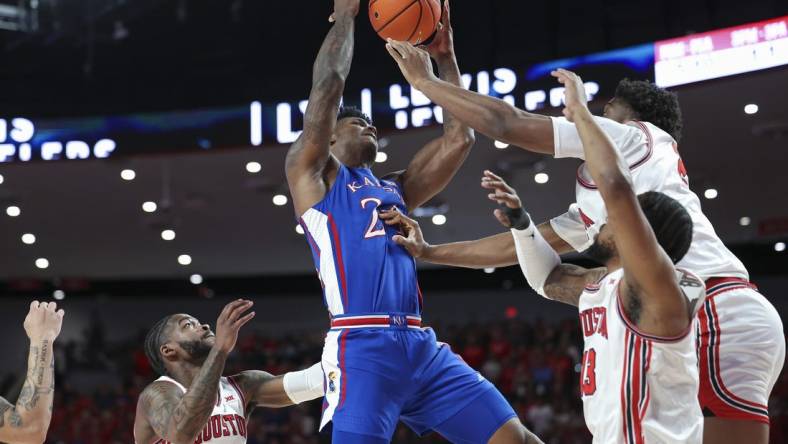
(361, 269)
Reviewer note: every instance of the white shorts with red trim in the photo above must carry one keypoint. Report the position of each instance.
(741, 350)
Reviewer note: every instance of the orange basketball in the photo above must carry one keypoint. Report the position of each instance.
(407, 20)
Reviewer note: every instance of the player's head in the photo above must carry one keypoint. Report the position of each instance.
(355, 139)
(643, 100)
(670, 221)
(176, 339)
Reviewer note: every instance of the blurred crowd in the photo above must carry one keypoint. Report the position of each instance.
(535, 364)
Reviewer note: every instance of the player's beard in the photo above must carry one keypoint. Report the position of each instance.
(601, 252)
(198, 350)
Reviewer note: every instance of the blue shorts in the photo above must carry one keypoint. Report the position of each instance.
(377, 376)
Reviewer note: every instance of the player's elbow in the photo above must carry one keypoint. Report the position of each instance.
(330, 82)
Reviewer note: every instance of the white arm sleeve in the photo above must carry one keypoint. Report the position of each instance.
(304, 385)
(630, 141)
(537, 259)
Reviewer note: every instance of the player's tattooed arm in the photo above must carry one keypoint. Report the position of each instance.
(28, 420)
(179, 417)
(437, 162)
(262, 389)
(566, 282)
(308, 158)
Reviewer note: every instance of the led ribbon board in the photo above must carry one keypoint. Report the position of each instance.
(721, 53)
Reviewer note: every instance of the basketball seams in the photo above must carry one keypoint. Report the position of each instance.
(405, 9)
(418, 22)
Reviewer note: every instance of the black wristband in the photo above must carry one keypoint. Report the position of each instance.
(518, 217)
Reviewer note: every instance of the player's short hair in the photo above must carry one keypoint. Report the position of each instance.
(670, 221)
(153, 340)
(652, 104)
(352, 111)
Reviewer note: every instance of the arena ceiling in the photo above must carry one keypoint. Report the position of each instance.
(89, 222)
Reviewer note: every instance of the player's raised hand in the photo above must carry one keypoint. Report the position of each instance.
(43, 321)
(442, 44)
(414, 63)
(574, 92)
(511, 214)
(341, 7)
(233, 316)
(413, 239)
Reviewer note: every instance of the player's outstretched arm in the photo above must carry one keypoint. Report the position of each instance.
(648, 269)
(539, 262)
(492, 251)
(437, 162)
(309, 156)
(263, 389)
(179, 417)
(490, 116)
(28, 420)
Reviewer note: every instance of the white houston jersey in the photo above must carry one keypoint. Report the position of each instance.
(227, 424)
(655, 165)
(638, 388)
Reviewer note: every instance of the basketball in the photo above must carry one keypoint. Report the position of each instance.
(406, 20)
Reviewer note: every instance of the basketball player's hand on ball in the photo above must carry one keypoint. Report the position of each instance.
(504, 195)
(574, 92)
(231, 319)
(43, 321)
(411, 238)
(442, 44)
(343, 7)
(414, 63)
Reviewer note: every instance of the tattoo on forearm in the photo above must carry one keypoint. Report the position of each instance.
(33, 388)
(566, 282)
(190, 414)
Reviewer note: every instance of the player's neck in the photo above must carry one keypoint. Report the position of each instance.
(185, 374)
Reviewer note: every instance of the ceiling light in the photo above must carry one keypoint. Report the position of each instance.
(779, 246)
(2, 179)
(42, 263)
(28, 238)
(490, 270)
(711, 193)
(751, 108)
(184, 259)
(501, 145)
(439, 219)
(299, 229)
(195, 279)
(168, 235)
(744, 221)
(128, 174)
(254, 167)
(541, 178)
(13, 211)
(381, 157)
(280, 199)
(59, 295)
(149, 207)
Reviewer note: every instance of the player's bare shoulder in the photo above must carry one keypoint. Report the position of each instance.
(154, 410)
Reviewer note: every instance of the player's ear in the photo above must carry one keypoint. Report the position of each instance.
(167, 351)
(333, 139)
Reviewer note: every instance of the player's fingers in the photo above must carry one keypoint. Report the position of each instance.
(491, 175)
(52, 306)
(61, 313)
(229, 308)
(398, 47)
(240, 310)
(331, 18)
(241, 322)
(446, 12)
(34, 304)
(393, 52)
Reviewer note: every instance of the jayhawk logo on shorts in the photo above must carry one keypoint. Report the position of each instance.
(332, 376)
